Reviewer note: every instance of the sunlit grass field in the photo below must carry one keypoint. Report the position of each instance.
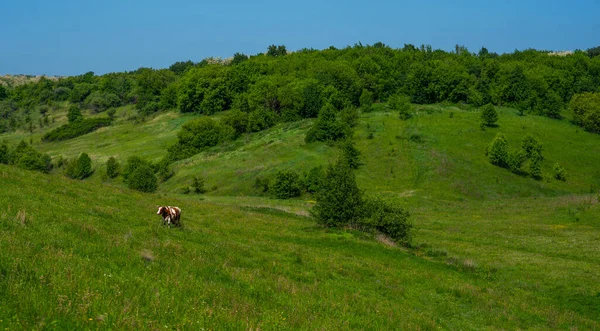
(491, 250)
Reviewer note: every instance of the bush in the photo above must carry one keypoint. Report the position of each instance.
(401, 104)
(262, 184)
(388, 218)
(489, 116)
(238, 120)
(350, 116)
(113, 167)
(366, 100)
(76, 129)
(559, 172)
(100, 101)
(498, 151)
(4, 153)
(535, 166)
(198, 185)
(26, 157)
(339, 201)
(586, 110)
(286, 185)
(515, 160)
(133, 162)
(261, 119)
(80, 168)
(313, 179)
(163, 170)
(531, 145)
(327, 127)
(143, 179)
(350, 154)
(74, 114)
(198, 135)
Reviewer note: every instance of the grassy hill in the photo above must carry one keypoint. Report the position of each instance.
(492, 249)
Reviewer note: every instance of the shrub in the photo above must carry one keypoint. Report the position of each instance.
(74, 114)
(313, 179)
(559, 172)
(515, 160)
(401, 104)
(76, 129)
(498, 151)
(286, 184)
(100, 101)
(133, 162)
(80, 168)
(4, 153)
(238, 120)
(143, 179)
(388, 218)
(350, 154)
(350, 116)
(163, 170)
(531, 145)
(198, 184)
(489, 116)
(27, 157)
(535, 166)
(112, 167)
(327, 126)
(261, 119)
(262, 184)
(198, 135)
(366, 100)
(339, 201)
(586, 110)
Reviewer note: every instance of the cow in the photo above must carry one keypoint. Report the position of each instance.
(170, 215)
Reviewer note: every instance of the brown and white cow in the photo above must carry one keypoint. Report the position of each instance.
(170, 215)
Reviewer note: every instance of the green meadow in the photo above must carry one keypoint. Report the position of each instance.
(491, 249)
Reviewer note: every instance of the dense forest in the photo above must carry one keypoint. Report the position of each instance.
(281, 86)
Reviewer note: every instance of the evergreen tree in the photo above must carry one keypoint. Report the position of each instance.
(489, 116)
(498, 151)
(327, 127)
(535, 166)
(113, 167)
(350, 154)
(339, 201)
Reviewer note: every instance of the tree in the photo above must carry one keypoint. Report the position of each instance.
(535, 165)
(498, 151)
(313, 179)
(74, 114)
(366, 100)
(559, 172)
(531, 145)
(327, 127)
(489, 116)
(350, 154)
(143, 179)
(4, 153)
(113, 167)
(401, 104)
(338, 200)
(276, 50)
(286, 184)
(238, 58)
(80, 168)
(198, 184)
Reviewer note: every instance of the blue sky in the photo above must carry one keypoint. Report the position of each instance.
(73, 37)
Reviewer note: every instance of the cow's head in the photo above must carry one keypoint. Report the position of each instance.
(161, 211)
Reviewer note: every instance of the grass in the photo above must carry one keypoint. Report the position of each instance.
(492, 249)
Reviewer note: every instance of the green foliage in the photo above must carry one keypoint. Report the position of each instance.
(181, 67)
(142, 179)
(74, 114)
(238, 58)
(4, 153)
(133, 162)
(286, 185)
(338, 201)
(489, 116)
(515, 160)
(559, 172)
(26, 157)
(498, 151)
(163, 170)
(80, 168)
(313, 179)
(535, 165)
(276, 50)
(198, 135)
(262, 184)
(198, 185)
(586, 110)
(113, 168)
(100, 101)
(350, 154)
(261, 119)
(401, 104)
(531, 145)
(366, 100)
(349, 116)
(238, 120)
(76, 129)
(388, 218)
(203, 90)
(327, 127)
